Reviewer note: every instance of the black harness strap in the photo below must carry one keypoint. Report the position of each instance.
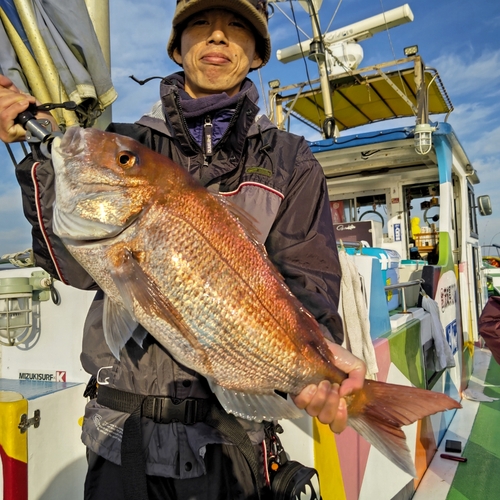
(166, 410)
(229, 426)
(133, 469)
(161, 410)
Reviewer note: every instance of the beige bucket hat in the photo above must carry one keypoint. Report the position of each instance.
(254, 11)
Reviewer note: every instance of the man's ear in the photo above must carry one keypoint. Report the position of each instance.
(177, 56)
(257, 61)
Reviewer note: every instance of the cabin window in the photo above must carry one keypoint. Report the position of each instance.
(371, 206)
(361, 217)
(423, 211)
(342, 210)
(472, 212)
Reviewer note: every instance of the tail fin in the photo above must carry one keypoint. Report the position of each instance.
(379, 410)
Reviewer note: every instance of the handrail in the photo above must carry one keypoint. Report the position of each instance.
(350, 244)
(402, 286)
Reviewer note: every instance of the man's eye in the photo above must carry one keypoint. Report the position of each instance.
(238, 24)
(198, 22)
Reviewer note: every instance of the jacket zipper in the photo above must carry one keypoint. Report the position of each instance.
(193, 144)
(207, 141)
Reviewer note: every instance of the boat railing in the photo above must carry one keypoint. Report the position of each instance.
(351, 244)
(400, 287)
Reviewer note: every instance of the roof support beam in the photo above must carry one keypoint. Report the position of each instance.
(396, 89)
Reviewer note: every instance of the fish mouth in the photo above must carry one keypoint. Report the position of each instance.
(72, 228)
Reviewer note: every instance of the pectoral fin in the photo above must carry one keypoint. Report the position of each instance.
(118, 324)
(138, 289)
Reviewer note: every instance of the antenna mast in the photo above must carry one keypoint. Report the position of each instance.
(317, 53)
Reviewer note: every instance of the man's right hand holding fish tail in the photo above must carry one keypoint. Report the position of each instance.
(326, 400)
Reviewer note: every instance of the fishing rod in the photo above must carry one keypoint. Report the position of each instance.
(40, 131)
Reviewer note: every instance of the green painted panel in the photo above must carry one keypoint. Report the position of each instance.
(479, 477)
(406, 352)
(454, 494)
(445, 253)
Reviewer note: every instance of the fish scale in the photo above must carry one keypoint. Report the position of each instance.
(220, 306)
(203, 263)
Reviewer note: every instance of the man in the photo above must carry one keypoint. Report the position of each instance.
(489, 326)
(207, 121)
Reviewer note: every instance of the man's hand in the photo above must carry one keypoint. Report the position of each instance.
(12, 102)
(325, 400)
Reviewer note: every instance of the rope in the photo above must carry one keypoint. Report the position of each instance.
(19, 259)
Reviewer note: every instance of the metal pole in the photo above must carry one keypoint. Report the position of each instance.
(328, 124)
(422, 104)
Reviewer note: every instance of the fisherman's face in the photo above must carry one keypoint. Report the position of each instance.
(217, 51)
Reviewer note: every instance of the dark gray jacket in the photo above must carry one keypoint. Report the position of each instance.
(269, 173)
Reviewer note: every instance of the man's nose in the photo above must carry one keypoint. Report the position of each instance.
(218, 34)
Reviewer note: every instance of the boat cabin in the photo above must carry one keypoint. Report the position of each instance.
(404, 210)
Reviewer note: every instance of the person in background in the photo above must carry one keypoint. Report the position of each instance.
(489, 326)
(208, 121)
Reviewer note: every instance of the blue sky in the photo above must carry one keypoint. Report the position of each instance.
(458, 38)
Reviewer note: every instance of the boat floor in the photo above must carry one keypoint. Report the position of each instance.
(477, 427)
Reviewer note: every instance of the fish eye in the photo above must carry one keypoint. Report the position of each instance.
(126, 159)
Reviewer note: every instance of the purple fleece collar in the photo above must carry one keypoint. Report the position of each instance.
(202, 106)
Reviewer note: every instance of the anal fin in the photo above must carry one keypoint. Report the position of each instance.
(256, 407)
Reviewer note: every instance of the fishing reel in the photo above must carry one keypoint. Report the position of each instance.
(40, 131)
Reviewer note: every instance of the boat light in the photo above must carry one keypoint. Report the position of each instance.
(423, 138)
(274, 84)
(16, 305)
(412, 50)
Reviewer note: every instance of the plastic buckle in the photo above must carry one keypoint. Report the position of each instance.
(167, 410)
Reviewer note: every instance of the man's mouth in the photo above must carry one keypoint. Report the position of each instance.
(215, 58)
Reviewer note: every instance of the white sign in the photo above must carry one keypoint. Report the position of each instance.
(42, 375)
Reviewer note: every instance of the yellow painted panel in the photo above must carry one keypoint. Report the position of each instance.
(327, 463)
(12, 406)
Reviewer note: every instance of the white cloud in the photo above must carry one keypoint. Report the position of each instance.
(477, 127)
(14, 229)
(493, 22)
(487, 144)
(474, 76)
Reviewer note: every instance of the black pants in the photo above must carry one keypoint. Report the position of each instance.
(228, 478)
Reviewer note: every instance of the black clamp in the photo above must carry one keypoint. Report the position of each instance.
(40, 131)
